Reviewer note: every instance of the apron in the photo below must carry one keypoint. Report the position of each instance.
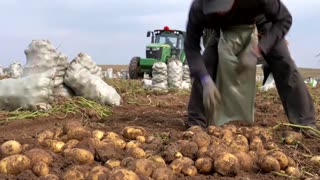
(236, 74)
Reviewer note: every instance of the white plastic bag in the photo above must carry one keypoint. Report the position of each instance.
(269, 84)
(175, 73)
(15, 70)
(33, 92)
(159, 76)
(90, 86)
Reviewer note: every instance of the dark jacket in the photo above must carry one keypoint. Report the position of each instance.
(243, 12)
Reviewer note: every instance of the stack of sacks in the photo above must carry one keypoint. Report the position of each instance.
(43, 58)
(15, 70)
(84, 78)
(186, 79)
(175, 72)
(159, 77)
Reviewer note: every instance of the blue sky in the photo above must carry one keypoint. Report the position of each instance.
(113, 31)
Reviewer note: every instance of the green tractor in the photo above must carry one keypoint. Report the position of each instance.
(165, 44)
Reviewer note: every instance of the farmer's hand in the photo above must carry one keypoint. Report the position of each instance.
(211, 97)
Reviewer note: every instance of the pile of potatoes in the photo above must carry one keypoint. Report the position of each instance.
(135, 154)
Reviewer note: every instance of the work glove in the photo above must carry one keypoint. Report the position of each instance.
(211, 98)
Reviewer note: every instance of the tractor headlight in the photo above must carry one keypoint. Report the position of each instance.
(148, 49)
(155, 49)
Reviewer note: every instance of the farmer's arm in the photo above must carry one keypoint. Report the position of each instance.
(281, 19)
(192, 41)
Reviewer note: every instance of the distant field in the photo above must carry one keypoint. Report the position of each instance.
(306, 72)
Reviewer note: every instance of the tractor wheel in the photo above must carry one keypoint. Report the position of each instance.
(134, 68)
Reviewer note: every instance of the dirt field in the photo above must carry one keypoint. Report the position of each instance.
(162, 116)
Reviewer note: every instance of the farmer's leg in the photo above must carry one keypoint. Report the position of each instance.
(293, 92)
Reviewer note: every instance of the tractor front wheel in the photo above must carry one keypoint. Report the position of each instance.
(134, 68)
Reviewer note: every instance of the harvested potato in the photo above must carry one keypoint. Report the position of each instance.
(97, 134)
(112, 163)
(150, 138)
(292, 171)
(49, 177)
(111, 135)
(76, 172)
(11, 147)
(80, 156)
(240, 143)
(117, 142)
(254, 155)
(245, 160)
(40, 169)
(245, 131)
(144, 167)
(270, 146)
(39, 155)
(14, 164)
(265, 136)
(292, 137)
(187, 135)
(291, 162)
(55, 145)
(189, 171)
(98, 172)
(281, 157)
(69, 145)
(158, 160)
(133, 144)
(123, 174)
(57, 133)
(269, 164)
(108, 151)
(132, 132)
(231, 128)
(163, 173)
(129, 163)
(216, 132)
(136, 153)
(202, 152)
(179, 163)
(315, 160)
(78, 133)
(170, 150)
(204, 165)
(227, 136)
(195, 129)
(216, 150)
(226, 164)
(187, 148)
(211, 129)
(43, 136)
(256, 144)
(202, 139)
(141, 139)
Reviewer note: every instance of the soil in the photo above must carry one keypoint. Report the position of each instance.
(165, 114)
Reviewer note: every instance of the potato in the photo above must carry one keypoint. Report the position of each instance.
(292, 137)
(269, 164)
(69, 145)
(76, 172)
(187, 148)
(163, 173)
(315, 160)
(97, 134)
(204, 165)
(108, 151)
(231, 128)
(112, 163)
(240, 143)
(44, 135)
(49, 177)
(179, 163)
(170, 150)
(132, 132)
(291, 162)
(117, 142)
(202, 152)
(70, 125)
(136, 153)
(227, 136)
(78, 133)
(245, 131)
(57, 133)
(226, 164)
(14, 164)
(187, 135)
(215, 131)
(39, 155)
(123, 174)
(133, 144)
(189, 171)
(55, 146)
(292, 171)
(111, 135)
(245, 160)
(41, 169)
(98, 172)
(80, 156)
(256, 144)
(202, 139)
(216, 150)
(281, 157)
(11, 147)
(141, 139)
(196, 129)
(129, 163)
(270, 146)
(158, 160)
(144, 167)
(211, 129)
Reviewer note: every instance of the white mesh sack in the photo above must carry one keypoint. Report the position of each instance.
(43, 58)
(86, 61)
(109, 74)
(90, 86)
(33, 92)
(159, 76)
(175, 72)
(1, 71)
(15, 70)
(186, 79)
